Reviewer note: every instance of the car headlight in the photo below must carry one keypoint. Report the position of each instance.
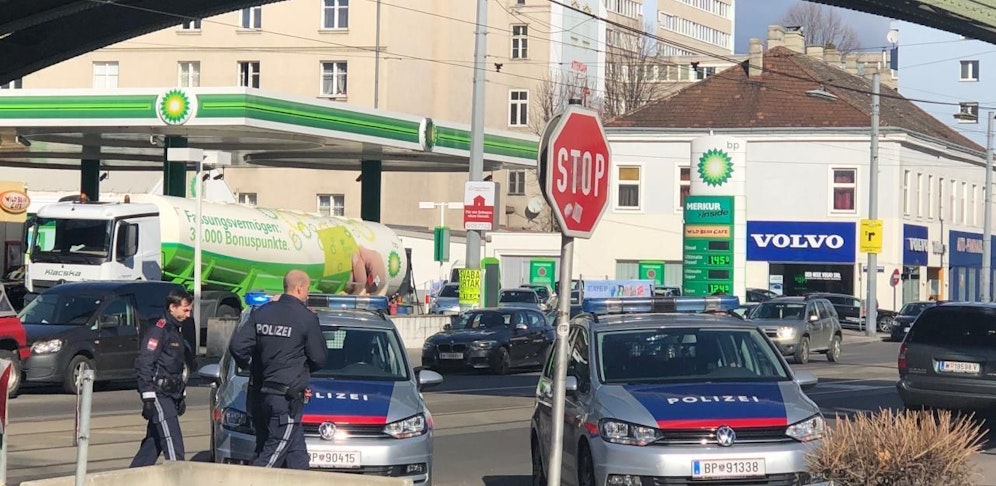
(410, 427)
(807, 430)
(786, 332)
(237, 421)
(427, 345)
(484, 344)
(619, 432)
(50, 346)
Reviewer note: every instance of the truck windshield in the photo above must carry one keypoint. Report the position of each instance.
(61, 309)
(71, 240)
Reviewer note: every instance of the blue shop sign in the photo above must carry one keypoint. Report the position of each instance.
(965, 249)
(800, 241)
(916, 245)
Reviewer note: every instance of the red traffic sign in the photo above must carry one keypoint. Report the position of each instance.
(574, 170)
(894, 281)
(479, 205)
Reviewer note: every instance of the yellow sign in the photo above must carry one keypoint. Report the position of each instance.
(14, 202)
(470, 286)
(870, 240)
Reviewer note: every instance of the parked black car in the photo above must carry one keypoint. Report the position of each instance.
(948, 359)
(494, 339)
(906, 316)
(851, 311)
(760, 295)
(90, 325)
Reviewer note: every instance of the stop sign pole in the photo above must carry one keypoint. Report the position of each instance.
(574, 165)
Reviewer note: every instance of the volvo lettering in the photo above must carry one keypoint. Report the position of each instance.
(798, 241)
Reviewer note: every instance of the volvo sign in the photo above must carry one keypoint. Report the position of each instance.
(800, 241)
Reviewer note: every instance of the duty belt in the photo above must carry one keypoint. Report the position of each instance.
(273, 388)
(169, 385)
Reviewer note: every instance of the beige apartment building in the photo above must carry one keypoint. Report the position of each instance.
(538, 55)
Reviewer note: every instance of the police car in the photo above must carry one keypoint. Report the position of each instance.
(366, 414)
(660, 391)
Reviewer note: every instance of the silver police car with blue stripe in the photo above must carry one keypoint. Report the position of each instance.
(660, 391)
(365, 414)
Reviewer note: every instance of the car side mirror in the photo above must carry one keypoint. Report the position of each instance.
(210, 371)
(805, 379)
(521, 327)
(813, 318)
(447, 327)
(571, 384)
(428, 379)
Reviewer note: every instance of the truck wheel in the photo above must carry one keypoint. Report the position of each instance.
(74, 370)
(16, 369)
(225, 310)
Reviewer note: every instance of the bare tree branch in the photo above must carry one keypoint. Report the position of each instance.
(822, 26)
(631, 77)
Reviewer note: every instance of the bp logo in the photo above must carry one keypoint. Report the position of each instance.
(176, 106)
(393, 264)
(715, 167)
(427, 134)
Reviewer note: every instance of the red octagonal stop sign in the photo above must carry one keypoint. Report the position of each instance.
(575, 170)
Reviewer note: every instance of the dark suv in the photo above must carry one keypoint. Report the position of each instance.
(852, 312)
(948, 358)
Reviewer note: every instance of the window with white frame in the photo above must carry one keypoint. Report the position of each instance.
(628, 187)
(516, 182)
(941, 205)
(844, 189)
(684, 186)
(335, 14)
(251, 18)
(190, 74)
(520, 41)
(332, 204)
(930, 197)
(249, 74)
(973, 205)
(105, 74)
(247, 198)
(919, 195)
(952, 197)
(334, 78)
(191, 24)
(518, 108)
(15, 84)
(969, 70)
(963, 204)
(907, 194)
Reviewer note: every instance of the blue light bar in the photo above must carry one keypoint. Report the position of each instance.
(257, 298)
(366, 302)
(637, 305)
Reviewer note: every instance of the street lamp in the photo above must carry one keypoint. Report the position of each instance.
(443, 206)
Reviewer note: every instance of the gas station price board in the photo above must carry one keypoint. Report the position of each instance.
(708, 245)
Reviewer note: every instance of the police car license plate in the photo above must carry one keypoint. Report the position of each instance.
(958, 367)
(450, 355)
(336, 459)
(727, 468)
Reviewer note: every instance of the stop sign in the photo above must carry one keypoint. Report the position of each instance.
(895, 278)
(574, 170)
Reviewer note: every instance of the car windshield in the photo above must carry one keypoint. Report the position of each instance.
(71, 240)
(482, 320)
(778, 310)
(61, 309)
(969, 327)
(518, 296)
(449, 291)
(914, 308)
(686, 355)
(362, 354)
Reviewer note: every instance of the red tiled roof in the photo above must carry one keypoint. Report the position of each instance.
(777, 99)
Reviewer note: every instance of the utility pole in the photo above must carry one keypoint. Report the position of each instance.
(871, 315)
(477, 123)
(987, 227)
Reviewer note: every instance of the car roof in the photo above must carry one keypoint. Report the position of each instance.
(983, 305)
(791, 298)
(353, 318)
(107, 286)
(626, 322)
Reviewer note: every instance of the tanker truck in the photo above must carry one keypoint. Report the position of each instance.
(243, 249)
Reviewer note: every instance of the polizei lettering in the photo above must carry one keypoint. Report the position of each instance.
(360, 397)
(714, 399)
(273, 330)
(798, 241)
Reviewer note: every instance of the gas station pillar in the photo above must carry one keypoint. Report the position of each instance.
(174, 173)
(370, 187)
(90, 179)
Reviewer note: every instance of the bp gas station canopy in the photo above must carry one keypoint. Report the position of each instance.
(122, 129)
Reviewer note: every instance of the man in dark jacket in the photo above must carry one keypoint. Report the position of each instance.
(159, 368)
(281, 343)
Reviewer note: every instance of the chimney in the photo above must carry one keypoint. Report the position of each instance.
(776, 36)
(815, 51)
(755, 58)
(831, 55)
(795, 40)
(851, 64)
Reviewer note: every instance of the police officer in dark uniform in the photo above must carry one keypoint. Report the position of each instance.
(282, 343)
(159, 368)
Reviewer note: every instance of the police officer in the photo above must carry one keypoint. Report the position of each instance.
(159, 368)
(281, 343)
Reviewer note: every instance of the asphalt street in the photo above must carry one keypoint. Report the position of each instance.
(481, 434)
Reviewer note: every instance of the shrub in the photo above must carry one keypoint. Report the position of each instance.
(908, 448)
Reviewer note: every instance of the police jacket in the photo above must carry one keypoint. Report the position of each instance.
(159, 365)
(284, 341)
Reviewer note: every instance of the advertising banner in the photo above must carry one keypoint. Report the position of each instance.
(542, 272)
(599, 289)
(470, 287)
(652, 270)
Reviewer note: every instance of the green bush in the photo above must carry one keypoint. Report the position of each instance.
(908, 448)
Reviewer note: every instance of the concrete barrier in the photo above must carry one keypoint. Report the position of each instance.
(414, 329)
(208, 474)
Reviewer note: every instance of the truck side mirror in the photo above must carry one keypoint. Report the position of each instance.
(127, 243)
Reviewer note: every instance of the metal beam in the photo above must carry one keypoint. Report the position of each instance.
(975, 19)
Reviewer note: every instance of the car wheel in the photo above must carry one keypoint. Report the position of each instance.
(833, 354)
(539, 477)
(802, 351)
(16, 370)
(885, 324)
(586, 467)
(77, 365)
(502, 362)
